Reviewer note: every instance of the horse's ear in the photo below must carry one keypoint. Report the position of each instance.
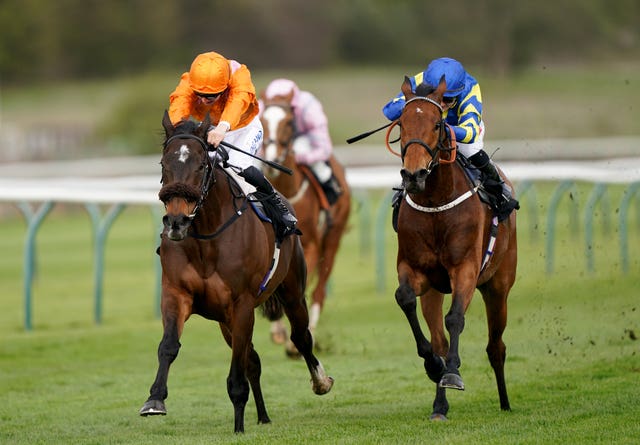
(168, 126)
(203, 128)
(406, 88)
(442, 87)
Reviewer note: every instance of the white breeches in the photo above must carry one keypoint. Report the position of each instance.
(302, 145)
(247, 138)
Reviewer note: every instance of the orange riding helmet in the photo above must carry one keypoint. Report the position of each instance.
(209, 73)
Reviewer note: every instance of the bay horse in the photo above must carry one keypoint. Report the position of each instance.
(219, 260)
(322, 225)
(445, 246)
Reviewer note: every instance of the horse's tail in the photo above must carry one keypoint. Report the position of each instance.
(273, 309)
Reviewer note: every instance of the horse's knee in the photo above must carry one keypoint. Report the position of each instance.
(238, 390)
(169, 348)
(497, 353)
(406, 298)
(454, 321)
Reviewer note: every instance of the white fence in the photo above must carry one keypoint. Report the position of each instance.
(36, 188)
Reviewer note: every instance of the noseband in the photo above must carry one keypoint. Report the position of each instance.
(208, 179)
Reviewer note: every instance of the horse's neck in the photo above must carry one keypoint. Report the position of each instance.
(218, 206)
(445, 183)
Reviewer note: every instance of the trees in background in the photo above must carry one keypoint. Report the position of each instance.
(41, 40)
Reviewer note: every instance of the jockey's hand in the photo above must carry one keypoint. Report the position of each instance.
(215, 136)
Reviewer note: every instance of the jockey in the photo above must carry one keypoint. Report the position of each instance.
(223, 89)
(462, 110)
(312, 144)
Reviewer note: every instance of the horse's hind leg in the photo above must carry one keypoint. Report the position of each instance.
(292, 297)
(254, 371)
(174, 316)
(496, 308)
(303, 340)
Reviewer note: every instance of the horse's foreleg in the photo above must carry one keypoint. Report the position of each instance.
(454, 322)
(330, 245)
(314, 263)
(406, 299)
(167, 353)
(237, 385)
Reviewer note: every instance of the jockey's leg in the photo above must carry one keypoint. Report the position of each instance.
(482, 161)
(327, 179)
(321, 169)
(256, 178)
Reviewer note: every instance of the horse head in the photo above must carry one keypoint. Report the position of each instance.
(422, 135)
(187, 174)
(279, 130)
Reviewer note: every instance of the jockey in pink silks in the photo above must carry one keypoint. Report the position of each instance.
(312, 144)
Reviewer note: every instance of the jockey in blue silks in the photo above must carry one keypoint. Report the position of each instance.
(462, 110)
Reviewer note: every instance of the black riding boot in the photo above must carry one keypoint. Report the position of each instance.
(396, 200)
(255, 177)
(332, 189)
(505, 202)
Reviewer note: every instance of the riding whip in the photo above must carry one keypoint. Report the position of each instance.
(368, 133)
(272, 164)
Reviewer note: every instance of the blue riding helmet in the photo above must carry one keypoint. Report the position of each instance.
(453, 72)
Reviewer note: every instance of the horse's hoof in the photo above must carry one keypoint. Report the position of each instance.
(323, 387)
(153, 408)
(435, 417)
(451, 381)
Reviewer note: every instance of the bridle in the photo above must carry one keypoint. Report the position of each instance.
(443, 137)
(208, 180)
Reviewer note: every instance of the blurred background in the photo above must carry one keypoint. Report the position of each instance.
(92, 78)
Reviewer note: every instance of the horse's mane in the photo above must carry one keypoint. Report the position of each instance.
(424, 89)
(186, 127)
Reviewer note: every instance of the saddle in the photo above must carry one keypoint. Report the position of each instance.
(261, 204)
(316, 185)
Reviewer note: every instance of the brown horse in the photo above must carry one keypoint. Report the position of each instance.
(321, 230)
(445, 246)
(219, 260)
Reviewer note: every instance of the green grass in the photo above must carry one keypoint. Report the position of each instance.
(572, 370)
